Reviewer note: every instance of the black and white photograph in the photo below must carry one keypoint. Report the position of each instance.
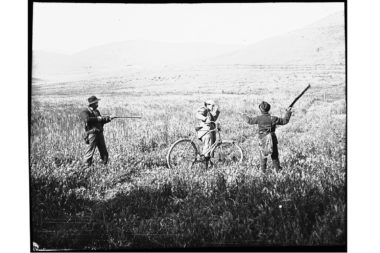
(188, 126)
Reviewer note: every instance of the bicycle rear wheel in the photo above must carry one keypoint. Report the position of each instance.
(183, 153)
(227, 153)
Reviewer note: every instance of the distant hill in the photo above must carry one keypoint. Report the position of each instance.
(318, 43)
(119, 56)
(48, 62)
(149, 53)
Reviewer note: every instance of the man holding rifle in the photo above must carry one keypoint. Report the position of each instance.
(93, 136)
(267, 127)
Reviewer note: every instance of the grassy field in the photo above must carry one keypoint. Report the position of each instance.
(137, 202)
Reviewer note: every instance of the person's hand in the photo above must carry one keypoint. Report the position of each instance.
(106, 118)
(208, 121)
(95, 130)
(289, 109)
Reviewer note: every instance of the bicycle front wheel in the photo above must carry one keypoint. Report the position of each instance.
(183, 153)
(227, 153)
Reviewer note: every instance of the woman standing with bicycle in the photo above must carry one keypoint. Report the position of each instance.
(216, 151)
(207, 115)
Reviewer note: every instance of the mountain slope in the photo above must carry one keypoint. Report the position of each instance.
(318, 43)
(121, 55)
(150, 53)
(48, 62)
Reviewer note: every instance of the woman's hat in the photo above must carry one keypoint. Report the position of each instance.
(92, 100)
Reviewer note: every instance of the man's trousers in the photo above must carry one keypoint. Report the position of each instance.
(275, 159)
(96, 140)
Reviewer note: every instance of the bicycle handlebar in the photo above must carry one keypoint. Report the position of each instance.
(216, 129)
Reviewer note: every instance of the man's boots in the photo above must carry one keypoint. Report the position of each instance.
(276, 165)
(263, 164)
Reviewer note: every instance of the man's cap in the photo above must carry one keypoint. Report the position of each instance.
(209, 102)
(92, 100)
(264, 106)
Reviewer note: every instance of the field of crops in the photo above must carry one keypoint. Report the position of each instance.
(137, 202)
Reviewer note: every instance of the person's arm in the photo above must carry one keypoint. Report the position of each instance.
(200, 114)
(285, 119)
(215, 113)
(85, 117)
(249, 120)
(104, 119)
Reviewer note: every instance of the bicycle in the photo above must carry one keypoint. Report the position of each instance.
(184, 152)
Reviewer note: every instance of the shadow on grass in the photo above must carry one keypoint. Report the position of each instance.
(179, 215)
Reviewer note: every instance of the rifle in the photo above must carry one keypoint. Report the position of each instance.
(127, 117)
(299, 96)
(86, 134)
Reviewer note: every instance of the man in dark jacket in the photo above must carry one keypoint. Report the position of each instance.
(267, 125)
(93, 123)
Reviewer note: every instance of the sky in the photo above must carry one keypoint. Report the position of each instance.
(72, 27)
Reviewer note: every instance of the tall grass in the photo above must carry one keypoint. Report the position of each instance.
(137, 202)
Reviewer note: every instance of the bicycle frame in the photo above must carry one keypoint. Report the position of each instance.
(196, 146)
(216, 143)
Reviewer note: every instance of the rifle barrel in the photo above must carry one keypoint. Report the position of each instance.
(300, 95)
(128, 117)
